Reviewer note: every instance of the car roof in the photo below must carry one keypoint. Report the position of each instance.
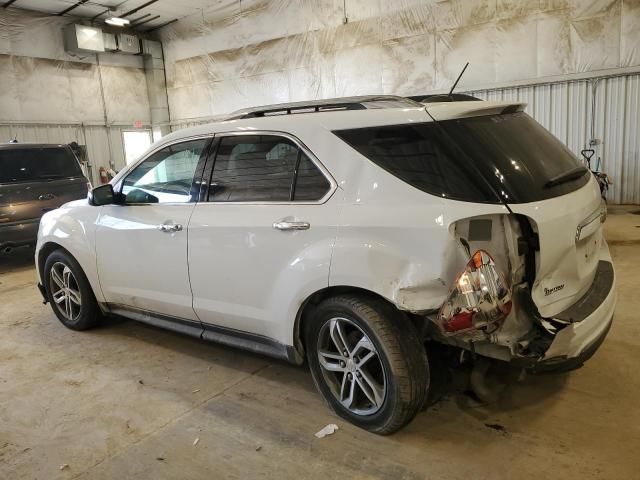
(342, 119)
(23, 146)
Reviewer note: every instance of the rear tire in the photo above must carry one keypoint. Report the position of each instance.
(69, 292)
(368, 362)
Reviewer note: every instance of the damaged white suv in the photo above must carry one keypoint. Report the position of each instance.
(349, 232)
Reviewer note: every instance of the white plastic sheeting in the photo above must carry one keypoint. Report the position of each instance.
(606, 109)
(49, 96)
(235, 54)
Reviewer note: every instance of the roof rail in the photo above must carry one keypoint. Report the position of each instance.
(443, 97)
(346, 103)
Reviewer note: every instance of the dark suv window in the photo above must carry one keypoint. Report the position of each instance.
(422, 156)
(264, 168)
(474, 159)
(37, 163)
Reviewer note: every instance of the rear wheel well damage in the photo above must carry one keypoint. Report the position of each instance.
(307, 307)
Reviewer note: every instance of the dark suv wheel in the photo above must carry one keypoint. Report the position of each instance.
(368, 362)
(69, 292)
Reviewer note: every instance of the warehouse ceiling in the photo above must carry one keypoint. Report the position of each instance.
(143, 14)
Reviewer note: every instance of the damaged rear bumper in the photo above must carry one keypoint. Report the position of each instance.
(591, 319)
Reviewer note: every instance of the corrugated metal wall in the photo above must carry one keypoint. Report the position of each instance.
(566, 110)
(102, 143)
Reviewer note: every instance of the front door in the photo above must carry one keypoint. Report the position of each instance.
(141, 245)
(263, 239)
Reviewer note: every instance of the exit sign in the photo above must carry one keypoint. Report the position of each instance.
(137, 124)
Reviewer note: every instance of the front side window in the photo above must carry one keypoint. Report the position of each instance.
(264, 168)
(166, 176)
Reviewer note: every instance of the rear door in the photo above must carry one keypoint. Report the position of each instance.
(570, 237)
(263, 235)
(141, 245)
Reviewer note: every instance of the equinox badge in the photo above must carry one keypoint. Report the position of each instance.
(549, 291)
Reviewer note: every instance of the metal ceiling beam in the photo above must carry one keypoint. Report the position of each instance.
(147, 20)
(76, 5)
(8, 3)
(137, 9)
(136, 20)
(161, 25)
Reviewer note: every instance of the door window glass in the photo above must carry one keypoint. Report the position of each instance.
(166, 176)
(259, 168)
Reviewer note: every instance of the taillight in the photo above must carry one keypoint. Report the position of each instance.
(479, 301)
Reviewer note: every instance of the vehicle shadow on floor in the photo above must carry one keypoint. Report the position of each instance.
(17, 260)
(514, 393)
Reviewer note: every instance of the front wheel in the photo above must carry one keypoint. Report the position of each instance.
(69, 292)
(368, 362)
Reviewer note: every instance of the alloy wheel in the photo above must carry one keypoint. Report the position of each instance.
(351, 366)
(65, 291)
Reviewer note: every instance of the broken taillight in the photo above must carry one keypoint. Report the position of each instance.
(479, 300)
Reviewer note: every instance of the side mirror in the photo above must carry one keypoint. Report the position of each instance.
(102, 195)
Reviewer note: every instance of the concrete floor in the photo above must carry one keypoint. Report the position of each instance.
(128, 401)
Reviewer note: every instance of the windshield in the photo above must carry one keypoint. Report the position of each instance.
(474, 159)
(38, 163)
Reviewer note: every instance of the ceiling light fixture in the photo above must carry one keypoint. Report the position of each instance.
(117, 21)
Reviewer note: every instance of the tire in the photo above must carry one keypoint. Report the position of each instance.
(389, 387)
(78, 310)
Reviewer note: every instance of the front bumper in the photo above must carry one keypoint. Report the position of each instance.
(15, 234)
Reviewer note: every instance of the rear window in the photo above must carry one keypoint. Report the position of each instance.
(41, 163)
(460, 158)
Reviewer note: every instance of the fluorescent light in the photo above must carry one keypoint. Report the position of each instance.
(117, 21)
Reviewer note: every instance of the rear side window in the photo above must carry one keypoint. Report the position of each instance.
(422, 156)
(38, 163)
(264, 168)
(480, 159)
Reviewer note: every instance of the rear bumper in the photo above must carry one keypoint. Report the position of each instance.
(15, 234)
(592, 317)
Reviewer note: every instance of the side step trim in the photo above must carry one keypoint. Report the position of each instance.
(212, 333)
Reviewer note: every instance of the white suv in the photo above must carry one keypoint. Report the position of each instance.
(348, 232)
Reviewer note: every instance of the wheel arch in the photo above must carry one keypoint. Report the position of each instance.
(307, 306)
(47, 249)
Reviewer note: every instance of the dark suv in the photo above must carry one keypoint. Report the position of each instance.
(35, 178)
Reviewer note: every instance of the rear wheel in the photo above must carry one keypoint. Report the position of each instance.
(69, 292)
(368, 362)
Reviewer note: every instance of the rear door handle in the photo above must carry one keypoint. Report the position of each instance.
(170, 227)
(292, 225)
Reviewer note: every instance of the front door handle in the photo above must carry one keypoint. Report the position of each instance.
(170, 227)
(291, 225)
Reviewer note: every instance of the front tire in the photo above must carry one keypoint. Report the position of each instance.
(368, 362)
(69, 292)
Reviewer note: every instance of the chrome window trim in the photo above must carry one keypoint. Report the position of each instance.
(333, 185)
(133, 166)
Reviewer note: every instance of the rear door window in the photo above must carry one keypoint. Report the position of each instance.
(264, 168)
(38, 163)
